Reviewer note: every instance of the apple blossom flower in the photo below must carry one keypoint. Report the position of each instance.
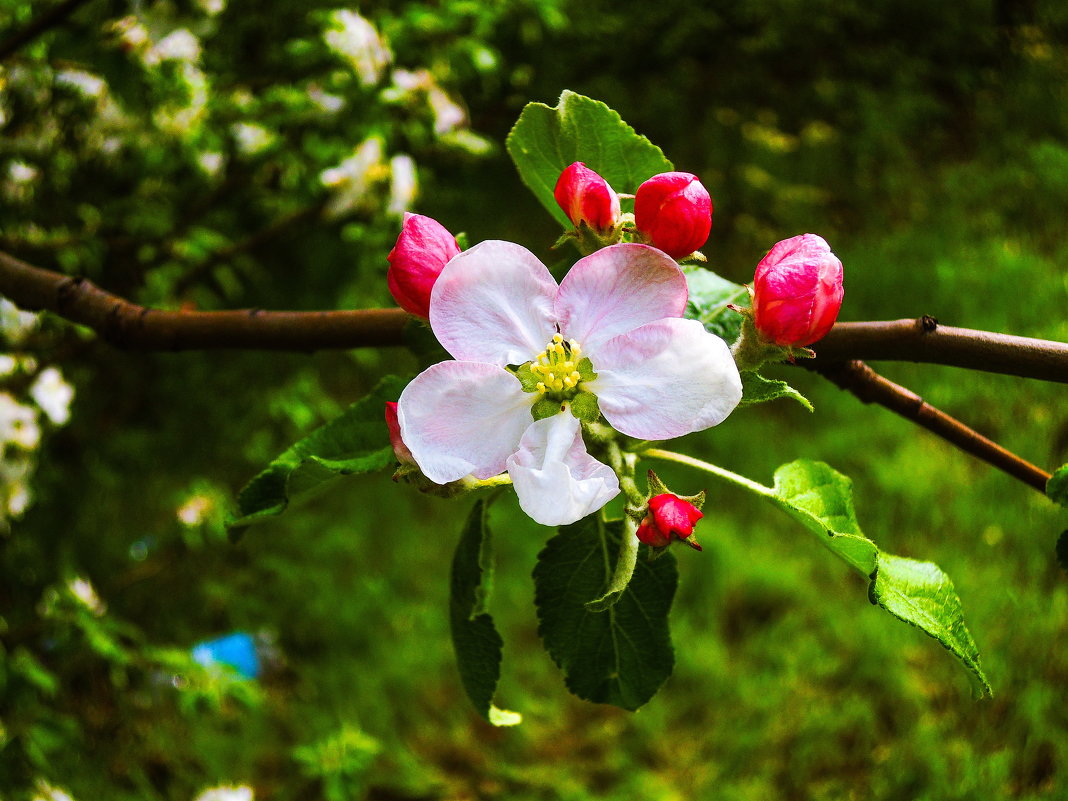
(669, 515)
(587, 198)
(674, 210)
(423, 247)
(532, 357)
(797, 291)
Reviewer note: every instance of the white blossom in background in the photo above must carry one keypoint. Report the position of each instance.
(46, 792)
(355, 39)
(404, 184)
(227, 793)
(251, 138)
(8, 364)
(448, 114)
(15, 324)
(212, 7)
(15, 494)
(351, 180)
(92, 86)
(53, 395)
(195, 510)
(211, 163)
(85, 594)
(178, 45)
(329, 103)
(181, 119)
(18, 424)
(22, 173)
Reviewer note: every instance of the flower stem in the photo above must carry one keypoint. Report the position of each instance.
(715, 470)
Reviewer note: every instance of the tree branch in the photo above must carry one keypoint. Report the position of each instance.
(924, 340)
(130, 326)
(45, 22)
(870, 387)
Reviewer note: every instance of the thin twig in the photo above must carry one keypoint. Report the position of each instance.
(925, 340)
(870, 387)
(45, 22)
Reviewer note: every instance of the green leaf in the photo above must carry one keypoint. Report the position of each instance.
(1062, 550)
(622, 655)
(757, 389)
(545, 140)
(356, 442)
(474, 637)
(709, 296)
(1057, 486)
(918, 593)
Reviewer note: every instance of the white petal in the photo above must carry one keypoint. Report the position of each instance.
(463, 417)
(666, 379)
(617, 289)
(556, 480)
(493, 303)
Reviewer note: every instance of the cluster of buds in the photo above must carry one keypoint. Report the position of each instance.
(672, 210)
(670, 516)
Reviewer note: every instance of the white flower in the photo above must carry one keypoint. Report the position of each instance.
(53, 395)
(226, 793)
(355, 39)
(612, 329)
(18, 424)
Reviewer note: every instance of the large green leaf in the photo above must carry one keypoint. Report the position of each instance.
(757, 389)
(710, 295)
(621, 655)
(474, 637)
(355, 442)
(918, 593)
(545, 140)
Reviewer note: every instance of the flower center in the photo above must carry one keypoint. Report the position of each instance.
(557, 367)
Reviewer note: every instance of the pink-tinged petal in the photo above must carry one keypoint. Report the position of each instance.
(615, 290)
(463, 417)
(556, 480)
(665, 379)
(494, 303)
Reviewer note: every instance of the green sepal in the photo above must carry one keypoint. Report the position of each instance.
(528, 379)
(546, 407)
(622, 655)
(658, 487)
(357, 441)
(585, 369)
(475, 638)
(584, 407)
(757, 389)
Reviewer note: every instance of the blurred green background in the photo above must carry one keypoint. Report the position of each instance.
(230, 154)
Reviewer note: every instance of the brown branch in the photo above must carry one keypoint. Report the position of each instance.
(45, 22)
(859, 379)
(128, 325)
(924, 340)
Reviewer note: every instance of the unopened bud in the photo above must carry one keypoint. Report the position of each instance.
(797, 291)
(669, 516)
(587, 198)
(400, 450)
(674, 211)
(423, 248)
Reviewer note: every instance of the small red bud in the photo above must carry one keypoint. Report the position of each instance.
(669, 515)
(674, 211)
(400, 450)
(587, 198)
(797, 291)
(423, 248)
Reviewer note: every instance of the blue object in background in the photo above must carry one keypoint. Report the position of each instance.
(238, 650)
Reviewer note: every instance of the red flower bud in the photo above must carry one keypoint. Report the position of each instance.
(797, 291)
(587, 198)
(669, 515)
(674, 211)
(423, 248)
(400, 450)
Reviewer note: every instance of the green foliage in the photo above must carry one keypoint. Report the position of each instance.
(757, 389)
(339, 762)
(474, 637)
(354, 443)
(621, 655)
(918, 593)
(546, 139)
(1057, 486)
(710, 294)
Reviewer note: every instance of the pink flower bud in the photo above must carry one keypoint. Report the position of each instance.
(423, 248)
(669, 515)
(587, 198)
(797, 291)
(400, 450)
(674, 211)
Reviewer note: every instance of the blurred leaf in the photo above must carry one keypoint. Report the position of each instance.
(1062, 550)
(709, 296)
(1057, 486)
(546, 140)
(474, 637)
(619, 656)
(757, 389)
(356, 442)
(918, 593)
